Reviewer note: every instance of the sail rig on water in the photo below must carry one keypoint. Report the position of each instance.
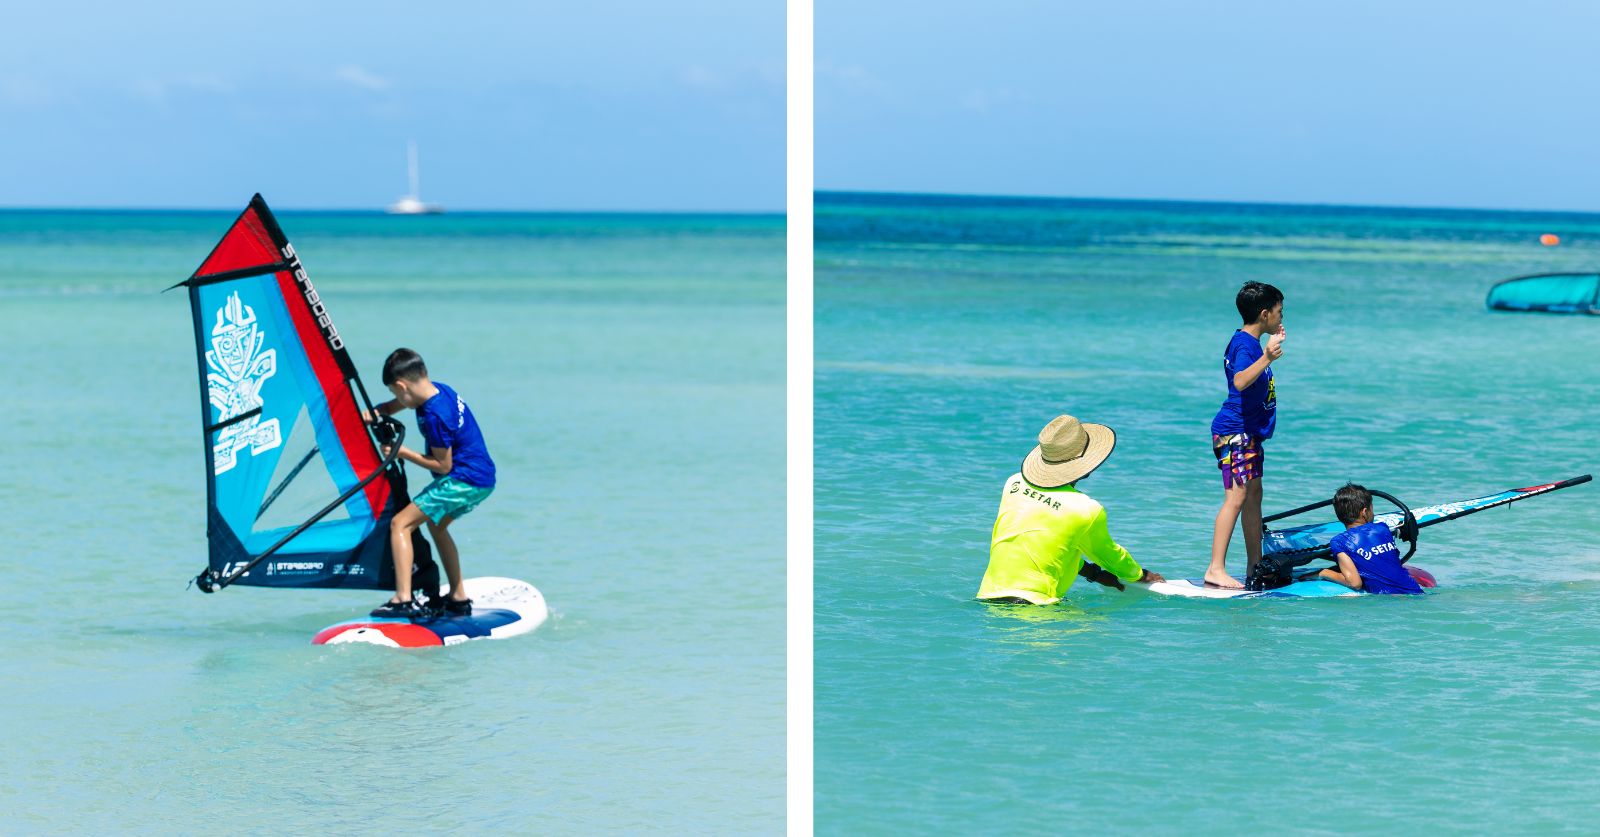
(297, 494)
(1283, 550)
(1550, 293)
(1312, 539)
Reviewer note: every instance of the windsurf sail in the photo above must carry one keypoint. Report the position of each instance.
(1312, 540)
(296, 492)
(1283, 550)
(1555, 293)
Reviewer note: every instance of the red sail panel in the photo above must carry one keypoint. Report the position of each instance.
(247, 244)
(342, 405)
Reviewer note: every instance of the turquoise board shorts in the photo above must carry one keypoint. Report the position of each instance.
(450, 497)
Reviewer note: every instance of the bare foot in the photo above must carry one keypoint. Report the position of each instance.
(1222, 579)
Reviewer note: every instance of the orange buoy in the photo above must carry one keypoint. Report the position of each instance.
(1549, 239)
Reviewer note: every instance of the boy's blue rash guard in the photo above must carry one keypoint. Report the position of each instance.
(1377, 558)
(447, 422)
(1254, 411)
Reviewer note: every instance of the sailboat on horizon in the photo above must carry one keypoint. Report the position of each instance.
(412, 204)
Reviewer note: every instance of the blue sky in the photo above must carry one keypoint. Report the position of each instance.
(1389, 103)
(551, 105)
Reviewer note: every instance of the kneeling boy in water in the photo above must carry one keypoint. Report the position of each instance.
(1368, 557)
(1046, 526)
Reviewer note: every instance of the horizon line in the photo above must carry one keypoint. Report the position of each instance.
(1235, 202)
(370, 211)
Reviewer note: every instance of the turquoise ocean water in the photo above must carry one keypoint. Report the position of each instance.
(949, 330)
(627, 372)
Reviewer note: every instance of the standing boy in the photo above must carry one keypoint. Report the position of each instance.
(464, 477)
(1244, 423)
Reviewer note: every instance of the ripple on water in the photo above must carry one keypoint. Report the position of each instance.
(936, 365)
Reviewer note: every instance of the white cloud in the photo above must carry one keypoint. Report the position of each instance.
(983, 101)
(853, 77)
(158, 90)
(774, 73)
(21, 90)
(149, 89)
(700, 77)
(361, 77)
(209, 84)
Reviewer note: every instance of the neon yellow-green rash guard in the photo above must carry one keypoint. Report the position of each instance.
(1040, 539)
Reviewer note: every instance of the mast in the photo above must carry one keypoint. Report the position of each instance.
(411, 203)
(411, 167)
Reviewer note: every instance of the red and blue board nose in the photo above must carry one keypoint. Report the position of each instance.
(1424, 578)
(396, 633)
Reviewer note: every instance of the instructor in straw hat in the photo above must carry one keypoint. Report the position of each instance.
(1046, 525)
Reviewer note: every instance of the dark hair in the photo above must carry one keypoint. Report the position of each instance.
(1254, 298)
(403, 363)
(1349, 502)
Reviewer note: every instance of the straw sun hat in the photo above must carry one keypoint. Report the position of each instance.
(1068, 451)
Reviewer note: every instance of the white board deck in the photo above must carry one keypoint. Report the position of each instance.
(1195, 588)
(501, 608)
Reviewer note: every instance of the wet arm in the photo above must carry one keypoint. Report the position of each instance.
(1248, 375)
(1346, 573)
(387, 408)
(1106, 552)
(439, 462)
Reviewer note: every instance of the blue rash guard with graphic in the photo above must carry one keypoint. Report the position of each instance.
(447, 422)
(1255, 410)
(1377, 558)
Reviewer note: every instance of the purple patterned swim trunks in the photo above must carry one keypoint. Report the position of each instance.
(1239, 457)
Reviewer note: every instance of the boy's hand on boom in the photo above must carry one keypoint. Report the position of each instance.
(387, 408)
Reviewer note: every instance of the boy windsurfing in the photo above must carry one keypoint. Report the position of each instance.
(464, 477)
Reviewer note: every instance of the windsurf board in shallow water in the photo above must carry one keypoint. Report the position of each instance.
(501, 608)
(1195, 588)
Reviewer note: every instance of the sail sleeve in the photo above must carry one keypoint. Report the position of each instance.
(1555, 293)
(284, 436)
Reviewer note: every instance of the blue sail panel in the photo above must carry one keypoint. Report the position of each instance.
(254, 362)
(294, 480)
